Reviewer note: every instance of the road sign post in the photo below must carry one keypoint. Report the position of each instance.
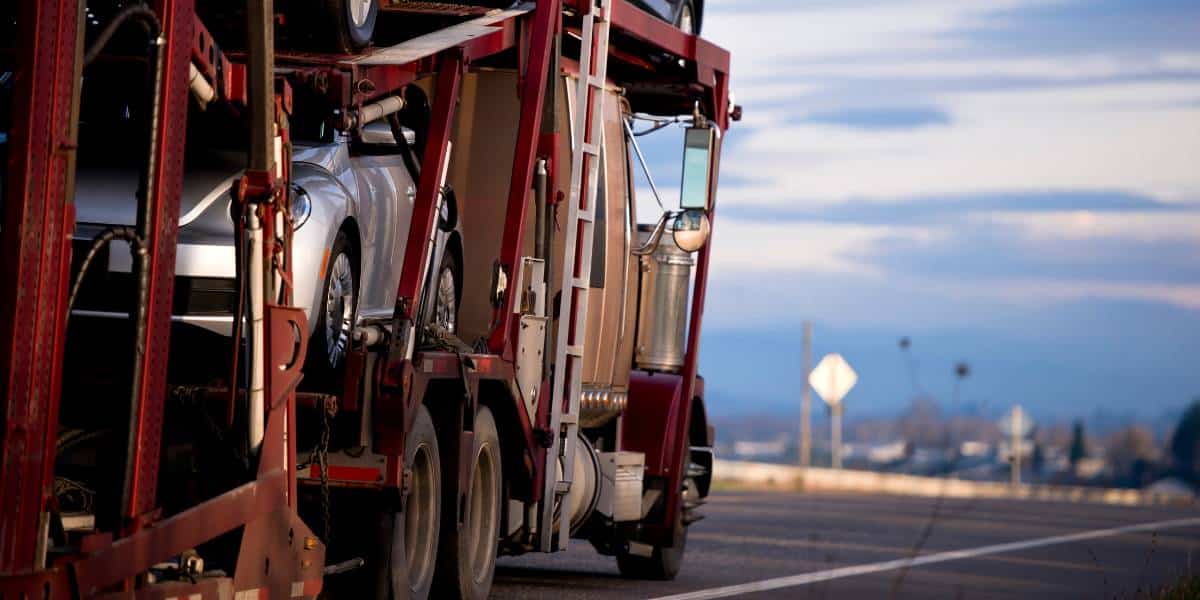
(806, 401)
(836, 436)
(1017, 425)
(832, 379)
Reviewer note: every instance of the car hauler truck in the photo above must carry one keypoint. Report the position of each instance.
(533, 382)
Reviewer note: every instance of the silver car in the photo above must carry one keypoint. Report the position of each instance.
(351, 202)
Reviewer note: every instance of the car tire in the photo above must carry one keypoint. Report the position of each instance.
(352, 22)
(336, 314)
(467, 554)
(446, 292)
(664, 562)
(422, 515)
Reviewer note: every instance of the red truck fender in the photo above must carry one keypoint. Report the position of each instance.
(656, 411)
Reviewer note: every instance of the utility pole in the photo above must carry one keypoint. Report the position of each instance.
(836, 436)
(1017, 435)
(805, 400)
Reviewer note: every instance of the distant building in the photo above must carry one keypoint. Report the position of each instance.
(973, 448)
(1091, 467)
(760, 449)
(891, 452)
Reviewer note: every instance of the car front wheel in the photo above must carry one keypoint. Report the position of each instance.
(445, 302)
(335, 319)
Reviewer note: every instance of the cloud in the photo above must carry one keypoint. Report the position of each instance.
(765, 36)
(981, 253)
(1030, 69)
(1126, 137)
(757, 247)
(881, 118)
(1019, 173)
(1033, 208)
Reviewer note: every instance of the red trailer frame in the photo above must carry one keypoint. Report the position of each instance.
(39, 219)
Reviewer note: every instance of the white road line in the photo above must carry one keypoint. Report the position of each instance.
(928, 559)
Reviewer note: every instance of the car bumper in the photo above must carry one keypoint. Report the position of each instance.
(205, 291)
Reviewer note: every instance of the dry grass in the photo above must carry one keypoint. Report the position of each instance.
(1187, 588)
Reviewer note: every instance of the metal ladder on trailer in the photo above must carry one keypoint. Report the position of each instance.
(587, 135)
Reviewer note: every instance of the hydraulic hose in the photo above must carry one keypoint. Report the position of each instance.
(141, 13)
(146, 197)
(239, 313)
(100, 241)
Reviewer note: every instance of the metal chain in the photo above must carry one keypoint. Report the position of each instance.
(321, 453)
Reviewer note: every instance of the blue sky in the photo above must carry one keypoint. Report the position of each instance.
(1014, 183)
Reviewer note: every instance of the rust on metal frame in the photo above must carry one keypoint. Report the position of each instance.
(38, 221)
(177, 18)
(396, 378)
(245, 504)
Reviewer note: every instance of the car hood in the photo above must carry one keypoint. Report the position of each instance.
(109, 196)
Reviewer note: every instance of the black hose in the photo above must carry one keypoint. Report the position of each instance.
(98, 242)
(239, 312)
(406, 151)
(144, 16)
(146, 199)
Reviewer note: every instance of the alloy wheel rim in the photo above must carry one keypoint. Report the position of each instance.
(359, 11)
(339, 308)
(686, 20)
(445, 312)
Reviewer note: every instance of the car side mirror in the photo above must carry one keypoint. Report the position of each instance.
(698, 144)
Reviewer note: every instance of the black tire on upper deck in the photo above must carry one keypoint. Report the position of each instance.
(351, 23)
(688, 19)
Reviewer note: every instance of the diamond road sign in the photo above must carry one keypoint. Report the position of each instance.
(1016, 423)
(832, 379)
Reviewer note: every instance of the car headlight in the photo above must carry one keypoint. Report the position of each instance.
(301, 205)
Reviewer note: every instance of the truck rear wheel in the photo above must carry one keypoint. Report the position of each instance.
(663, 563)
(467, 559)
(422, 513)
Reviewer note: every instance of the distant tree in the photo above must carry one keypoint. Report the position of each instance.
(922, 423)
(961, 371)
(1038, 462)
(1078, 449)
(1185, 443)
(1130, 451)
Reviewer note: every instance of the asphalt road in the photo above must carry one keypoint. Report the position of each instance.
(826, 545)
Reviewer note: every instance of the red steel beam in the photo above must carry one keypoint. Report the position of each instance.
(547, 19)
(396, 378)
(640, 24)
(416, 250)
(178, 19)
(692, 357)
(132, 555)
(38, 221)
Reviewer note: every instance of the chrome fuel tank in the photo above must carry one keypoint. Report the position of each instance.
(662, 304)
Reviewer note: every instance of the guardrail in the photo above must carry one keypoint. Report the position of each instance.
(732, 473)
